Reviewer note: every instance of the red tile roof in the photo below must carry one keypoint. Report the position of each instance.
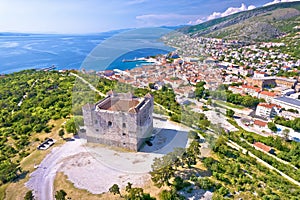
(251, 87)
(267, 105)
(267, 93)
(260, 123)
(262, 146)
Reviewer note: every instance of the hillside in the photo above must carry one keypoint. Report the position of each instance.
(259, 24)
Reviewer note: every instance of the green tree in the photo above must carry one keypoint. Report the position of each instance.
(161, 176)
(29, 195)
(8, 170)
(209, 101)
(128, 187)
(151, 85)
(272, 126)
(61, 133)
(71, 126)
(138, 194)
(229, 113)
(115, 189)
(286, 134)
(193, 135)
(60, 195)
(170, 195)
(204, 124)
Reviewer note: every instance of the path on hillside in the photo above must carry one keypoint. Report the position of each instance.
(273, 156)
(247, 128)
(90, 85)
(238, 147)
(102, 94)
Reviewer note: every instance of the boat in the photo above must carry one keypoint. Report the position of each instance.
(134, 60)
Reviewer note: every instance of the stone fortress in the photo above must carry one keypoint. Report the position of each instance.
(120, 120)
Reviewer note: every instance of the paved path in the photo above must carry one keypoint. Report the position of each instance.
(238, 147)
(273, 156)
(243, 111)
(90, 85)
(247, 128)
(42, 179)
(102, 94)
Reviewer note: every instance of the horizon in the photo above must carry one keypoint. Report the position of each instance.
(97, 16)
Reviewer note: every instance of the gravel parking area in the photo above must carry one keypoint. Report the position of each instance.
(96, 168)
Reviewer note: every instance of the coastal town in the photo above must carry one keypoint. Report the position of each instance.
(144, 100)
(256, 70)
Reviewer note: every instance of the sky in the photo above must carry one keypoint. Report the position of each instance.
(94, 16)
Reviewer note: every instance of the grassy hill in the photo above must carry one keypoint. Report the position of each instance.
(259, 24)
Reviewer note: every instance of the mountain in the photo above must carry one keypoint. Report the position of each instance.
(259, 24)
(14, 34)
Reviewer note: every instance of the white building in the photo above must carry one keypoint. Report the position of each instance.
(287, 103)
(295, 95)
(267, 96)
(266, 110)
(288, 92)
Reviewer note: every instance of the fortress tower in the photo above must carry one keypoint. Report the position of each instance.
(120, 120)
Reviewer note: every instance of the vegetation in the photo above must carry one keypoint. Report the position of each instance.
(170, 194)
(29, 195)
(230, 173)
(29, 100)
(286, 150)
(132, 193)
(272, 126)
(61, 133)
(225, 95)
(200, 91)
(294, 124)
(115, 189)
(246, 174)
(229, 113)
(60, 195)
(272, 19)
(287, 169)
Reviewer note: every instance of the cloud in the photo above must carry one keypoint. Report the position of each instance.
(198, 21)
(170, 19)
(228, 11)
(279, 1)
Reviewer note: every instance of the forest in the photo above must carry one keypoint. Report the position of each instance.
(29, 100)
(227, 172)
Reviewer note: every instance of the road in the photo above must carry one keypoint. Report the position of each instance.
(238, 147)
(42, 179)
(247, 128)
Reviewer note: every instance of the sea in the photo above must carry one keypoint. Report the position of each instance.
(91, 51)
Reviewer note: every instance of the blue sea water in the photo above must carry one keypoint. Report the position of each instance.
(19, 52)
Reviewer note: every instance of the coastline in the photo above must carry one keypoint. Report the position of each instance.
(68, 52)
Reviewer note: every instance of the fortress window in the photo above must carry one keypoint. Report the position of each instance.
(96, 121)
(97, 130)
(109, 124)
(124, 125)
(124, 143)
(123, 134)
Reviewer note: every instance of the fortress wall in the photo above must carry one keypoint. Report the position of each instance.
(145, 133)
(118, 128)
(88, 117)
(110, 142)
(121, 132)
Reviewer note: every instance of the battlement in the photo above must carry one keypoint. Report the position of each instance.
(120, 119)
